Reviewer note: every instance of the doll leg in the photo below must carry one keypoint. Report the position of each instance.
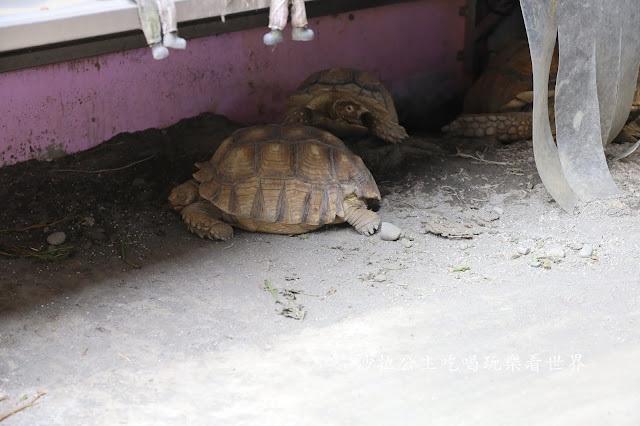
(278, 14)
(169, 21)
(299, 22)
(150, 23)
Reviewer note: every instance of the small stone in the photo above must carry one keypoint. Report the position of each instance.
(556, 252)
(406, 243)
(514, 256)
(402, 214)
(535, 264)
(57, 238)
(575, 246)
(585, 251)
(498, 210)
(88, 221)
(379, 278)
(390, 232)
(87, 245)
(464, 246)
(523, 250)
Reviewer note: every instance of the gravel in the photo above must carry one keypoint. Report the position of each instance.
(390, 232)
(586, 251)
(57, 238)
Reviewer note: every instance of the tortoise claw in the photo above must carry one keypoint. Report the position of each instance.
(201, 220)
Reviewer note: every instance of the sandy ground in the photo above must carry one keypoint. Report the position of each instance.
(133, 320)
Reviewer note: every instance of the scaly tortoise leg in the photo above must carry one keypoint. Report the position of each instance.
(506, 127)
(384, 128)
(204, 220)
(359, 216)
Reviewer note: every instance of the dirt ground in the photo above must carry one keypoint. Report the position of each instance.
(510, 319)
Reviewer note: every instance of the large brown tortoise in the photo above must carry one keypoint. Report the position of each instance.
(346, 102)
(287, 179)
(499, 103)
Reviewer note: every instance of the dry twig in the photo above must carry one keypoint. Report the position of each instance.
(124, 254)
(22, 407)
(107, 170)
(39, 225)
(58, 253)
(482, 160)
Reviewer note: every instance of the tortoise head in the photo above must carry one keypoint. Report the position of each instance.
(349, 111)
(183, 195)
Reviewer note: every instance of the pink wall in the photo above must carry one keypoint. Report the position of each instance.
(72, 106)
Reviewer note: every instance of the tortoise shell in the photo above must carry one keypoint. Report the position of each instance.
(284, 174)
(507, 75)
(360, 83)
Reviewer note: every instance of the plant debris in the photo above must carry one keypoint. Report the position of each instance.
(22, 407)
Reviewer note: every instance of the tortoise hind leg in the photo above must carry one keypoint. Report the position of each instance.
(384, 128)
(360, 217)
(506, 127)
(204, 220)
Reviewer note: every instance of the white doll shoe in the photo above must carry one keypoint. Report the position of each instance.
(302, 34)
(273, 37)
(159, 51)
(173, 41)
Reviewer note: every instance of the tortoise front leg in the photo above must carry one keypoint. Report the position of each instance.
(384, 128)
(359, 216)
(204, 220)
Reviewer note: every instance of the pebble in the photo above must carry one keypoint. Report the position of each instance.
(379, 278)
(523, 250)
(535, 264)
(402, 214)
(586, 251)
(57, 238)
(556, 252)
(406, 243)
(88, 221)
(498, 210)
(514, 256)
(575, 246)
(390, 232)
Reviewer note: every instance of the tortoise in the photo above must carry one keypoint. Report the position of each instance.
(346, 102)
(500, 102)
(282, 179)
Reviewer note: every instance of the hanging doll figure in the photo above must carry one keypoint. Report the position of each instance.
(158, 17)
(278, 14)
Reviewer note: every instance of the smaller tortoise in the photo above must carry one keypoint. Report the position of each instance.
(278, 179)
(500, 102)
(346, 102)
